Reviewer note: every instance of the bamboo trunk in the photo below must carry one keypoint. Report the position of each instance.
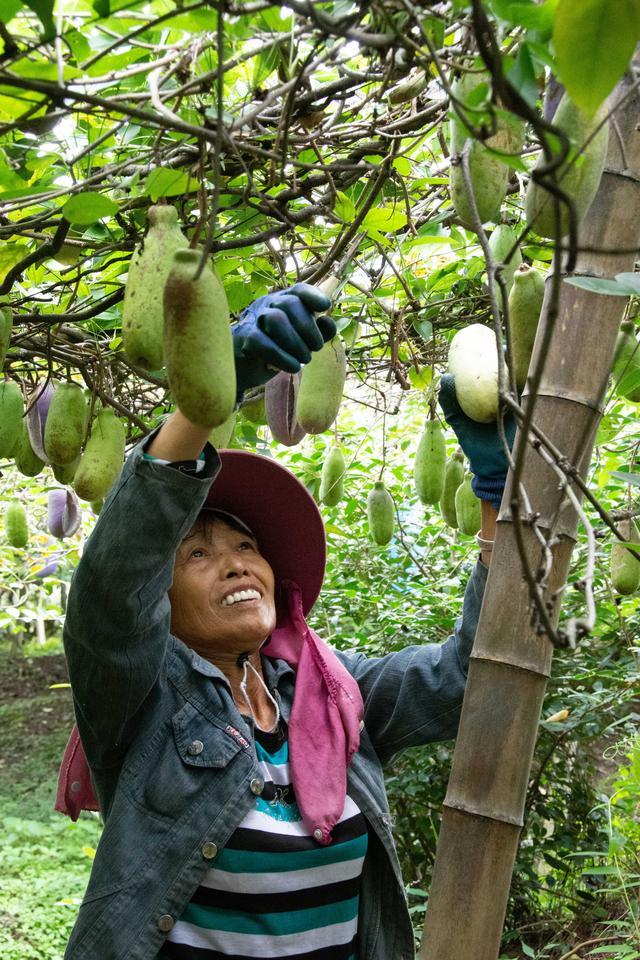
(511, 661)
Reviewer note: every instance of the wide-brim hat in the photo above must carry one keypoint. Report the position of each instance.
(281, 514)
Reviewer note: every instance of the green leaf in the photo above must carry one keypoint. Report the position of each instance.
(631, 478)
(87, 207)
(402, 165)
(594, 41)
(384, 219)
(523, 76)
(612, 288)
(168, 183)
(102, 7)
(10, 255)
(9, 9)
(630, 280)
(424, 328)
(344, 207)
(44, 11)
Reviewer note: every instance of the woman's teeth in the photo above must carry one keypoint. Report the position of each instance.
(240, 595)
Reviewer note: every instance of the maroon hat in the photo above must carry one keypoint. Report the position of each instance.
(281, 514)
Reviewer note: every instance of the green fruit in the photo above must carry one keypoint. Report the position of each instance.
(489, 175)
(96, 506)
(11, 411)
(142, 315)
(473, 361)
(15, 525)
(65, 472)
(501, 243)
(430, 459)
(220, 437)
(6, 325)
(626, 364)
(27, 462)
(197, 342)
(102, 459)
(380, 513)
(468, 510)
(625, 568)
(525, 304)
(453, 477)
(66, 423)
(253, 410)
(332, 480)
(579, 178)
(321, 386)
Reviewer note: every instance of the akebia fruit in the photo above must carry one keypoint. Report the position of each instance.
(142, 315)
(66, 423)
(102, 459)
(489, 175)
(579, 176)
(468, 509)
(502, 242)
(6, 325)
(625, 568)
(253, 409)
(96, 506)
(15, 525)
(626, 364)
(280, 397)
(453, 477)
(65, 472)
(321, 386)
(37, 412)
(197, 342)
(473, 361)
(27, 461)
(380, 514)
(429, 464)
(220, 437)
(525, 304)
(63, 513)
(332, 479)
(11, 410)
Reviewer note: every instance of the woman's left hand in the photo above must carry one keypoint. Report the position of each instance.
(279, 332)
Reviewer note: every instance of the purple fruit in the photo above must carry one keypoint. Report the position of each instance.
(37, 416)
(280, 408)
(64, 513)
(49, 569)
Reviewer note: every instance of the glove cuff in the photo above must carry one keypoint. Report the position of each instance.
(490, 488)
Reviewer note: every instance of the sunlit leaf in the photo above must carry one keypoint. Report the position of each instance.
(87, 207)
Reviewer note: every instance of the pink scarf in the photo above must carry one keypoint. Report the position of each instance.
(324, 728)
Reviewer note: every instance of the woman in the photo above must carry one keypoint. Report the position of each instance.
(236, 759)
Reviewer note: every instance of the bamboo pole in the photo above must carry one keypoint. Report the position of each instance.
(511, 661)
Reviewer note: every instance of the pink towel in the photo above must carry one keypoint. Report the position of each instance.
(324, 728)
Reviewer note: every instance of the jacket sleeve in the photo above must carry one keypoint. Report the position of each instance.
(118, 614)
(414, 696)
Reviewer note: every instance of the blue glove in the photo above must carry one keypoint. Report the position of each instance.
(481, 444)
(278, 332)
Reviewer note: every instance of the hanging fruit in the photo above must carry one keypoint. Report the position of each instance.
(66, 423)
(63, 513)
(473, 361)
(453, 477)
(11, 411)
(626, 364)
(429, 464)
(38, 409)
(16, 525)
(381, 514)
(26, 460)
(625, 567)
(280, 408)
(525, 304)
(103, 456)
(502, 242)
(332, 479)
(321, 387)
(468, 509)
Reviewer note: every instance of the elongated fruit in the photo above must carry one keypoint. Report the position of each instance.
(380, 513)
(16, 526)
(197, 342)
(625, 568)
(525, 304)
(489, 175)
(453, 477)
(6, 325)
(502, 242)
(579, 177)
(65, 472)
(66, 423)
(280, 397)
(38, 410)
(429, 464)
(468, 510)
(142, 316)
(473, 361)
(626, 364)
(63, 513)
(253, 410)
(220, 437)
(321, 386)
(11, 410)
(27, 461)
(332, 480)
(102, 459)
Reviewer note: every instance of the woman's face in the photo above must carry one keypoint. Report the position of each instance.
(215, 565)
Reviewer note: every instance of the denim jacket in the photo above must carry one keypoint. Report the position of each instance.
(173, 761)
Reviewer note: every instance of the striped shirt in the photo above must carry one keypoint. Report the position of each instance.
(274, 892)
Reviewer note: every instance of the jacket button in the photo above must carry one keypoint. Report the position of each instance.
(318, 834)
(195, 747)
(165, 922)
(257, 786)
(209, 850)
